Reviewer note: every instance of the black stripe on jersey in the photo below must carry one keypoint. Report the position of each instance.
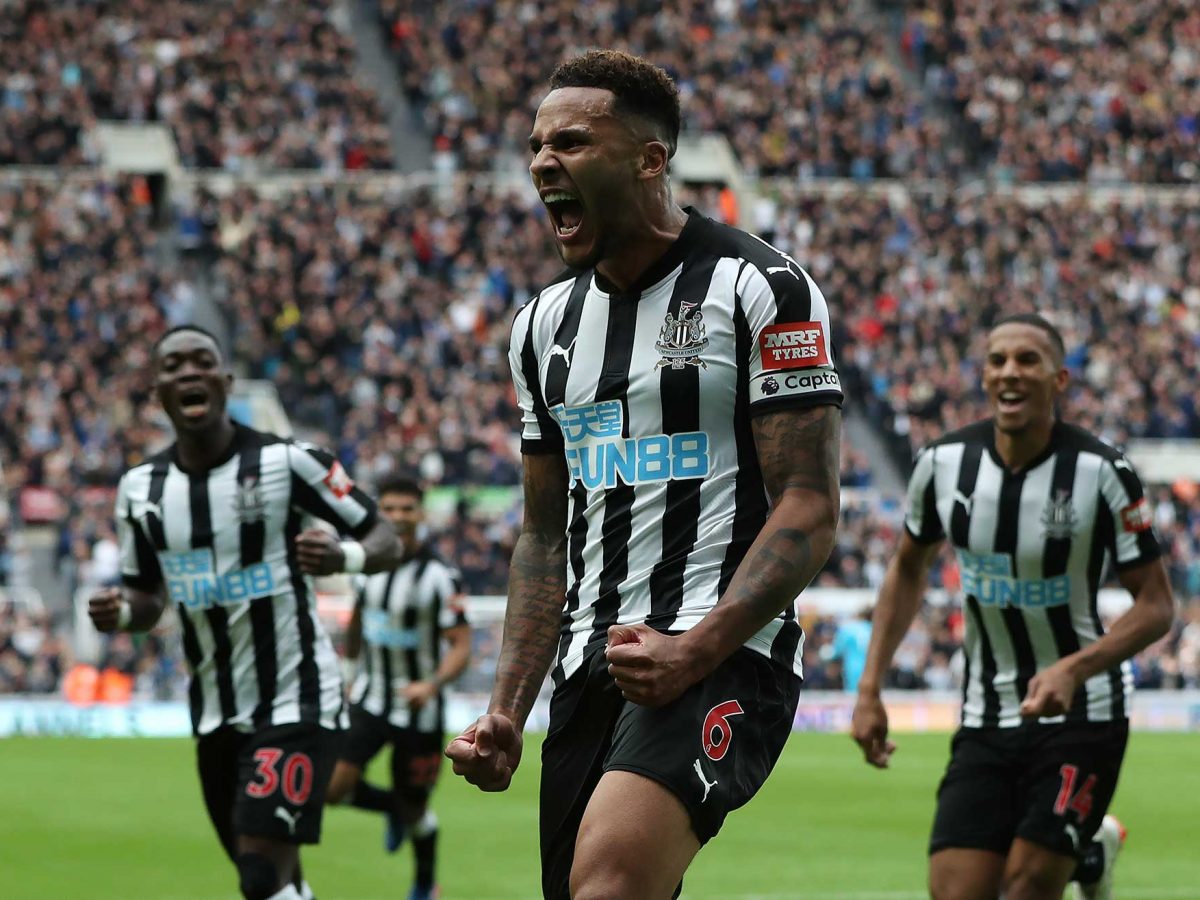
(385, 653)
(679, 390)
(412, 663)
(749, 493)
(262, 610)
(960, 528)
(1008, 515)
(158, 479)
(310, 676)
(559, 366)
(1056, 555)
(218, 618)
(576, 541)
(436, 613)
(551, 435)
(618, 501)
(1103, 538)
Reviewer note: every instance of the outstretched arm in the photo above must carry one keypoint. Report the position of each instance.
(798, 454)
(488, 752)
(899, 599)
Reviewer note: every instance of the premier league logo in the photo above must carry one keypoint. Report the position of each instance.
(770, 386)
(1058, 521)
(682, 340)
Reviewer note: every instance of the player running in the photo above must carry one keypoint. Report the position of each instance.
(214, 525)
(1035, 510)
(401, 620)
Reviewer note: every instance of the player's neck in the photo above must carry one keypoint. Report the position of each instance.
(642, 246)
(1017, 449)
(200, 452)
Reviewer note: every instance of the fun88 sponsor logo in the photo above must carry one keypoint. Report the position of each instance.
(192, 580)
(599, 456)
(988, 578)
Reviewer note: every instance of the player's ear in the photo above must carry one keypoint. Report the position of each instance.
(654, 161)
(1061, 379)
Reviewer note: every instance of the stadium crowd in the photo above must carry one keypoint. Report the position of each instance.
(798, 87)
(1101, 91)
(243, 84)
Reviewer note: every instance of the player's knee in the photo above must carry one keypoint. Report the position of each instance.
(1033, 884)
(605, 883)
(258, 878)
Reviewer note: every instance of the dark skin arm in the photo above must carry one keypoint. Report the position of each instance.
(457, 657)
(1052, 689)
(104, 608)
(798, 451)
(900, 597)
(488, 752)
(354, 634)
(319, 553)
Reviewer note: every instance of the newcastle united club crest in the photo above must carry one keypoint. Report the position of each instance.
(249, 504)
(682, 340)
(1058, 521)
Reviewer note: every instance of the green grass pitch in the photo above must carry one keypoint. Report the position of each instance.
(93, 819)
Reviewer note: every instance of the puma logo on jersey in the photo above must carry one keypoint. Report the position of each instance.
(289, 818)
(771, 270)
(967, 502)
(564, 352)
(708, 786)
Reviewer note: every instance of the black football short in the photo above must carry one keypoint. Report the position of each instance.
(267, 783)
(713, 747)
(416, 755)
(1048, 784)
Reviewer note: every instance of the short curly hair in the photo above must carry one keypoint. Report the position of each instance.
(641, 88)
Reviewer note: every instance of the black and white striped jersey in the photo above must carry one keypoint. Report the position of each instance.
(1033, 546)
(221, 545)
(404, 613)
(649, 393)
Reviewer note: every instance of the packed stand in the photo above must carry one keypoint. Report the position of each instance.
(1095, 90)
(242, 83)
(798, 87)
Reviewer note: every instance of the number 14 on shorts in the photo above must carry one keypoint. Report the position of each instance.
(1078, 801)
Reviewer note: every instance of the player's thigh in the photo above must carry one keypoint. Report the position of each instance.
(283, 775)
(978, 799)
(635, 841)
(1033, 872)
(715, 746)
(217, 765)
(957, 873)
(1071, 778)
(416, 765)
(344, 780)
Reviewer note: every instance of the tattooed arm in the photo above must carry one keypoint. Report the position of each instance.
(488, 752)
(798, 451)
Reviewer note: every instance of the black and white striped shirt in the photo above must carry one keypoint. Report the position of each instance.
(649, 393)
(1033, 546)
(404, 613)
(221, 545)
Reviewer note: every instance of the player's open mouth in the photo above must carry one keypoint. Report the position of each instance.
(1010, 401)
(193, 402)
(566, 212)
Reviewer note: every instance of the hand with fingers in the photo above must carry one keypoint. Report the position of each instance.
(649, 667)
(418, 693)
(104, 609)
(488, 753)
(319, 553)
(869, 728)
(1050, 691)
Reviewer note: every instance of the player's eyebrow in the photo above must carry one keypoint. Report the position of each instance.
(576, 134)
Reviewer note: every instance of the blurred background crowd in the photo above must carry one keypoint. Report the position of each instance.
(380, 310)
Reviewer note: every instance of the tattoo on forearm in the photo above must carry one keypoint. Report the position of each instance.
(536, 590)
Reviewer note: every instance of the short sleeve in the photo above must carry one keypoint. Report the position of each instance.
(921, 518)
(1133, 540)
(539, 431)
(140, 568)
(790, 354)
(322, 488)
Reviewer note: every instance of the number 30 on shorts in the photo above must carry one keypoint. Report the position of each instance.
(296, 779)
(717, 732)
